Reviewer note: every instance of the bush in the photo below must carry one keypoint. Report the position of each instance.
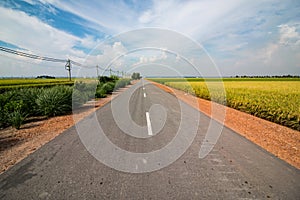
(29, 96)
(5, 98)
(108, 88)
(55, 101)
(100, 93)
(122, 83)
(86, 89)
(105, 79)
(16, 119)
(14, 113)
(78, 98)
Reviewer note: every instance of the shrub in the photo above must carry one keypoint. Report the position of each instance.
(105, 79)
(108, 88)
(55, 101)
(16, 119)
(86, 89)
(122, 83)
(100, 93)
(29, 96)
(4, 100)
(14, 113)
(78, 98)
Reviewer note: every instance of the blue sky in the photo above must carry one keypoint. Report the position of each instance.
(233, 37)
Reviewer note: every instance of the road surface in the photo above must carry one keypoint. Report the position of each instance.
(65, 169)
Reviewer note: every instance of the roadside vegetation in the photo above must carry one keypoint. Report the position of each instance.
(273, 99)
(49, 99)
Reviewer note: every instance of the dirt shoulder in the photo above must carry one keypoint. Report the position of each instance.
(281, 141)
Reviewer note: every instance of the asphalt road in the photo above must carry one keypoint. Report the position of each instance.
(148, 156)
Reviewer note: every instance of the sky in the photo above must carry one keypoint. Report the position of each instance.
(155, 38)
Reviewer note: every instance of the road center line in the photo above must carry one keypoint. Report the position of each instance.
(149, 124)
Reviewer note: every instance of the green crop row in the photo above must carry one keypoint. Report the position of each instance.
(276, 101)
(6, 88)
(28, 81)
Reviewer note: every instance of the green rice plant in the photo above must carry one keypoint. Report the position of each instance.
(55, 101)
(29, 81)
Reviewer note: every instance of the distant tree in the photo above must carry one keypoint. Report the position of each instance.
(45, 77)
(105, 79)
(136, 76)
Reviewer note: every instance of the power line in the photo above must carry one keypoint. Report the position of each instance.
(50, 59)
(19, 53)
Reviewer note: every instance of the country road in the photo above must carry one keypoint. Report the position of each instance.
(145, 144)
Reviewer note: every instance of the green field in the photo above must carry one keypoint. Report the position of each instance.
(8, 84)
(27, 81)
(273, 99)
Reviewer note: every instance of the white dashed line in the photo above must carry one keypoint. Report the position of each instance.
(145, 95)
(149, 124)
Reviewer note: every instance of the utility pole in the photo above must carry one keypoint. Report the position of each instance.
(97, 67)
(68, 68)
(110, 71)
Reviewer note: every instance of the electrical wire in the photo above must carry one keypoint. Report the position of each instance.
(50, 59)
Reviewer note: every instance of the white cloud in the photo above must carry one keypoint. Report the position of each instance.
(89, 41)
(110, 54)
(281, 56)
(146, 17)
(30, 33)
(153, 56)
(193, 18)
(107, 16)
(233, 47)
(285, 50)
(289, 35)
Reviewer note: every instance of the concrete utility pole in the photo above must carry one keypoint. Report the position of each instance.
(97, 67)
(68, 67)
